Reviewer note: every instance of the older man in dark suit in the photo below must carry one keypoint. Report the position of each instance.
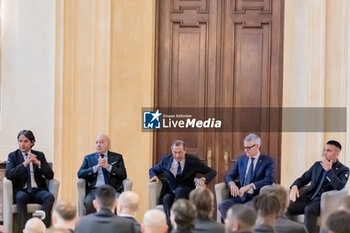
(249, 174)
(180, 170)
(104, 221)
(27, 169)
(101, 168)
(325, 175)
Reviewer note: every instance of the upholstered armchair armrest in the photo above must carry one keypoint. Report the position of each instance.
(7, 204)
(154, 193)
(81, 184)
(127, 184)
(54, 185)
(221, 192)
(330, 202)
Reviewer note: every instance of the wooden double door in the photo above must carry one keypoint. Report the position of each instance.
(220, 54)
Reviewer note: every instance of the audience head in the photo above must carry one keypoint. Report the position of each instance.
(128, 203)
(63, 213)
(344, 203)
(154, 221)
(26, 140)
(34, 225)
(331, 150)
(183, 215)
(339, 222)
(280, 193)
(266, 205)
(178, 149)
(240, 218)
(203, 199)
(252, 144)
(105, 198)
(102, 144)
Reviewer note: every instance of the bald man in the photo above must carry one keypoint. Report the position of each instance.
(154, 221)
(34, 225)
(102, 168)
(128, 204)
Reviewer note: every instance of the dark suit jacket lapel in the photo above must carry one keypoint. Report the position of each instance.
(258, 164)
(245, 164)
(20, 156)
(317, 176)
(110, 157)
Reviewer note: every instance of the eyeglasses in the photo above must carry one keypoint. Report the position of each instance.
(247, 148)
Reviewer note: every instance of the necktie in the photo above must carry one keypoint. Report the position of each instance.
(249, 177)
(178, 172)
(29, 180)
(105, 172)
(319, 184)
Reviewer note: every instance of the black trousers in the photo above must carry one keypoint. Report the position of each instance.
(170, 197)
(311, 210)
(38, 196)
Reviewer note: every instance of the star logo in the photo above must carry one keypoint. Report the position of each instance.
(156, 115)
(152, 120)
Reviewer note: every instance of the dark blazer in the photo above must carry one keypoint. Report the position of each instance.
(208, 226)
(284, 225)
(337, 177)
(263, 229)
(104, 221)
(192, 166)
(264, 172)
(137, 225)
(17, 172)
(116, 176)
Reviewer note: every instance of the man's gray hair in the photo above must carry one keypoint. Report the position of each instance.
(154, 219)
(255, 139)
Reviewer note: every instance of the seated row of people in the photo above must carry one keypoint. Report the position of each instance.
(266, 214)
(252, 171)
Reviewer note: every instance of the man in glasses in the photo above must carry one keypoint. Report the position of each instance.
(248, 175)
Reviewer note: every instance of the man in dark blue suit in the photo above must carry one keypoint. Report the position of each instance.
(325, 175)
(102, 168)
(180, 170)
(28, 171)
(248, 175)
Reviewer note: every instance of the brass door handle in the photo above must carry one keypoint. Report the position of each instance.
(209, 158)
(226, 160)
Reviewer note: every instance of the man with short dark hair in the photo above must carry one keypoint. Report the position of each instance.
(28, 171)
(64, 215)
(240, 218)
(325, 175)
(339, 222)
(180, 170)
(183, 216)
(102, 168)
(104, 220)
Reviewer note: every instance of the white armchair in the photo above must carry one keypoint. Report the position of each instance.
(81, 184)
(154, 195)
(9, 208)
(329, 203)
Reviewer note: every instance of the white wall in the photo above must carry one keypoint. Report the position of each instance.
(28, 74)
